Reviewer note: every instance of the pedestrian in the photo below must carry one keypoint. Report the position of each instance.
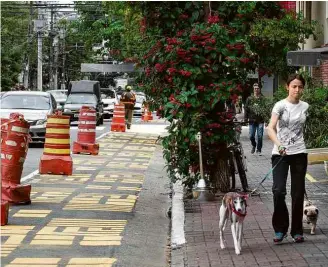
(128, 98)
(253, 105)
(289, 152)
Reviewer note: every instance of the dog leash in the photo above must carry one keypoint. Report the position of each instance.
(265, 177)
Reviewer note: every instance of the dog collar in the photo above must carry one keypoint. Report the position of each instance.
(237, 212)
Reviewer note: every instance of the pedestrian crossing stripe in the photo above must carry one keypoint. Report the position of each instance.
(313, 180)
(61, 179)
(49, 196)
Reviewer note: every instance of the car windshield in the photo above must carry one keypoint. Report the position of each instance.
(38, 102)
(107, 94)
(81, 99)
(58, 94)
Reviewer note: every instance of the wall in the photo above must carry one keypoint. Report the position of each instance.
(320, 74)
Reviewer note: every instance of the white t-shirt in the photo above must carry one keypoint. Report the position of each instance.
(290, 126)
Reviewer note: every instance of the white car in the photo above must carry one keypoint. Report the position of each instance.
(138, 107)
(109, 99)
(35, 106)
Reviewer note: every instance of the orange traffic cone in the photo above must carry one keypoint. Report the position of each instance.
(4, 212)
(86, 136)
(147, 115)
(118, 121)
(56, 158)
(14, 146)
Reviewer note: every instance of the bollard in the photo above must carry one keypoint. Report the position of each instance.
(56, 158)
(14, 147)
(4, 212)
(118, 121)
(202, 192)
(86, 135)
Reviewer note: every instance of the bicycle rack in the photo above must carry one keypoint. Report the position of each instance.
(202, 192)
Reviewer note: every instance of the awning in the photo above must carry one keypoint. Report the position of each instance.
(310, 57)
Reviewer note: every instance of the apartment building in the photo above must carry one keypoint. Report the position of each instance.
(314, 53)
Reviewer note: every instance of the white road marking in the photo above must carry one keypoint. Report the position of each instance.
(29, 176)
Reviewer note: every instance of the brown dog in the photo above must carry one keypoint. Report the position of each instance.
(311, 214)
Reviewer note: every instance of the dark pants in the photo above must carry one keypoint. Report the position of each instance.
(280, 219)
(255, 127)
(128, 117)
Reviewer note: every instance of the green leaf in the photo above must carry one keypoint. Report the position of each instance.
(195, 15)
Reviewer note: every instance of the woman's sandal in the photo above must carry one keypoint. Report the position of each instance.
(278, 237)
(298, 238)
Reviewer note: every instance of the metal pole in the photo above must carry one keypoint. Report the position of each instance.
(202, 192)
(40, 17)
(51, 51)
(64, 58)
(56, 63)
(27, 66)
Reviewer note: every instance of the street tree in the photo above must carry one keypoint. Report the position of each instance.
(14, 30)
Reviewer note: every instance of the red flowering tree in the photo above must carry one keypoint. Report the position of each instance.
(196, 59)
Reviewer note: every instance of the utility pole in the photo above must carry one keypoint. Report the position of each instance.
(51, 52)
(63, 32)
(27, 64)
(56, 51)
(39, 26)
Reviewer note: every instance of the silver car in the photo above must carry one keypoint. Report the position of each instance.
(35, 106)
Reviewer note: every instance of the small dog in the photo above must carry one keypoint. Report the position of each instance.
(234, 208)
(311, 214)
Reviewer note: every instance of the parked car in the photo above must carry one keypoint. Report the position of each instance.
(35, 106)
(109, 98)
(84, 93)
(60, 96)
(138, 107)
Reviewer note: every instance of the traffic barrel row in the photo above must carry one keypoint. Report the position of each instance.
(14, 147)
(86, 135)
(56, 158)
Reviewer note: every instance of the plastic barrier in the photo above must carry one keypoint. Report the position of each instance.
(118, 121)
(56, 158)
(86, 136)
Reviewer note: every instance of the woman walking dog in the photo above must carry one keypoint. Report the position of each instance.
(286, 132)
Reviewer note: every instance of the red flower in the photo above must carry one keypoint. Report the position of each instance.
(211, 85)
(168, 48)
(160, 67)
(245, 60)
(171, 71)
(186, 140)
(201, 88)
(188, 59)
(185, 73)
(213, 19)
(193, 49)
(187, 105)
(148, 71)
(180, 33)
(184, 16)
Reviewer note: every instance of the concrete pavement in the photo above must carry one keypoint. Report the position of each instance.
(202, 246)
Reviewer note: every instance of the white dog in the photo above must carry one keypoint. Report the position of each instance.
(234, 208)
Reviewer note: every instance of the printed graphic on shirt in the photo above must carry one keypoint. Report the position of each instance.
(290, 126)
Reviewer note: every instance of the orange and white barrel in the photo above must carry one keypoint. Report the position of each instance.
(86, 136)
(14, 147)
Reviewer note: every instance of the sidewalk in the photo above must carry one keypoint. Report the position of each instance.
(201, 226)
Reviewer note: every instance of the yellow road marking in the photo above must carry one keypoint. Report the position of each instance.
(310, 178)
(32, 213)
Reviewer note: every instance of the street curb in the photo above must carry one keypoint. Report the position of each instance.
(178, 217)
